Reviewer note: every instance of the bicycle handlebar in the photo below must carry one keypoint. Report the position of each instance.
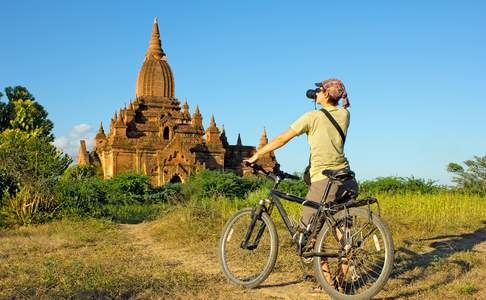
(273, 175)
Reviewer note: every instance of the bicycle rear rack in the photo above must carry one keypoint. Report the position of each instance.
(357, 203)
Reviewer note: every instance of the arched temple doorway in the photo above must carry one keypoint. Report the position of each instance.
(175, 179)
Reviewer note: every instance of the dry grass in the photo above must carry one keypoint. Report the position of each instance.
(86, 259)
(440, 242)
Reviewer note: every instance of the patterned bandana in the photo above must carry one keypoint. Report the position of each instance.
(336, 90)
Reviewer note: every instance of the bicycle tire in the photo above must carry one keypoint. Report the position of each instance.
(358, 271)
(232, 236)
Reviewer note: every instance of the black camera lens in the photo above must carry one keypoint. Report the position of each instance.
(312, 94)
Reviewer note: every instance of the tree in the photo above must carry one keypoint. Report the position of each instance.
(23, 112)
(30, 160)
(474, 178)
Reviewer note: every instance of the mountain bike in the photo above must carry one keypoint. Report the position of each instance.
(348, 245)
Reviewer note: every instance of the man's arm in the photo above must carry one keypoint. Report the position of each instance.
(274, 144)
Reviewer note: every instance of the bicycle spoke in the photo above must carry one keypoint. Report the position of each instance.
(373, 229)
(363, 266)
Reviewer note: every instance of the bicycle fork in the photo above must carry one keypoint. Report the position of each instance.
(255, 216)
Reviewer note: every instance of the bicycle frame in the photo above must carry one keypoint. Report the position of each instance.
(322, 210)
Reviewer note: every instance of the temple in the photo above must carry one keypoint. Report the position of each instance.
(154, 136)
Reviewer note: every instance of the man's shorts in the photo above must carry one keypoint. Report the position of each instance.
(316, 192)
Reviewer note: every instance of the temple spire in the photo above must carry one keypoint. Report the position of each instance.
(212, 133)
(155, 48)
(263, 139)
(197, 119)
(212, 123)
(120, 122)
(185, 110)
(238, 141)
(100, 137)
(101, 131)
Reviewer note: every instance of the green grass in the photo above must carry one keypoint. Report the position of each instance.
(468, 288)
(423, 216)
(134, 213)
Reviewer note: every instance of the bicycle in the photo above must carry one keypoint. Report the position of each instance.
(349, 247)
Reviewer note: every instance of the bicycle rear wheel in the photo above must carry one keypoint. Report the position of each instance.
(242, 266)
(365, 259)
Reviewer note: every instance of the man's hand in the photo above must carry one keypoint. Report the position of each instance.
(276, 143)
(253, 159)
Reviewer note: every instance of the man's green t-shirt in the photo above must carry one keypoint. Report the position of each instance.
(326, 145)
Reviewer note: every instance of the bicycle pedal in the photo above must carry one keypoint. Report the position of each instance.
(307, 276)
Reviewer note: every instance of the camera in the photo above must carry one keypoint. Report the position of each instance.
(312, 93)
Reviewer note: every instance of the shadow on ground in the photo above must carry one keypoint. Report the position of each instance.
(443, 246)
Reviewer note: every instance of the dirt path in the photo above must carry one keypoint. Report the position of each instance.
(279, 285)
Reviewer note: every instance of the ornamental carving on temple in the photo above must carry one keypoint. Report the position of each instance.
(154, 136)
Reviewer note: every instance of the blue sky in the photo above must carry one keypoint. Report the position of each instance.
(414, 70)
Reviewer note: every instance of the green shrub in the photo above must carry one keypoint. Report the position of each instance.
(127, 189)
(131, 183)
(393, 184)
(78, 172)
(294, 187)
(81, 197)
(167, 193)
(209, 184)
(83, 194)
(27, 206)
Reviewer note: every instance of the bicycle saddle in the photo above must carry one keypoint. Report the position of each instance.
(341, 175)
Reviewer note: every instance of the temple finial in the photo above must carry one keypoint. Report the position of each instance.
(155, 48)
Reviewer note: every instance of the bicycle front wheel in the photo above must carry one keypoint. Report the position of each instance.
(248, 266)
(364, 255)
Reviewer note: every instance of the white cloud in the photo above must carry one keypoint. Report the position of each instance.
(60, 142)
(70, 144)
(80, 129)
